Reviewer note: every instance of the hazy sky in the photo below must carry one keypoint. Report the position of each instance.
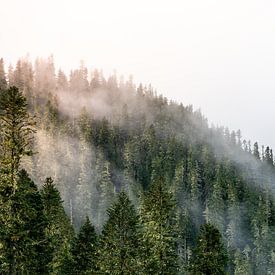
(217, 55)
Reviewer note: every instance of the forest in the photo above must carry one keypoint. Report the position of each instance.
(99, 175)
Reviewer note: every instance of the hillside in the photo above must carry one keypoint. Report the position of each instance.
(98, 137)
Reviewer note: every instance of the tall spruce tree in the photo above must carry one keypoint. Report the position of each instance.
(16, 135)
(242, 262)
(119, 243)
(256, 152)
(107, 192)
(209, 255)
(84, 250)
(3, 80)
(159, 231)
(59, 230)
(22, 221)
(24, 246)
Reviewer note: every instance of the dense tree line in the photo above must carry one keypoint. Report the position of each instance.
(147, 186)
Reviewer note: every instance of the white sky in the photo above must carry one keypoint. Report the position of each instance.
(217, 55)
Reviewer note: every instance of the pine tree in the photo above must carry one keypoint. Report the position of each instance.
(59, 230)
(24, 246)
(84, 250)
(159, 231)
(242, 261)
(185, 227)
(3, 80)
(86, 190)
(256, 152)
(215, 211)
(18, 76)
(234, 228)
(62, 82)
(239, 138)
(195, 193)
(262, 236)
(106, 193)
(21, 218)
(16, 134)
(119, 243)
(10, 75)
(268, 156)
(209, 256)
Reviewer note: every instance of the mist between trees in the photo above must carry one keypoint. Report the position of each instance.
(96, 137)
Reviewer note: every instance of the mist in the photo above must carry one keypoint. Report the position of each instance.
(215, 55)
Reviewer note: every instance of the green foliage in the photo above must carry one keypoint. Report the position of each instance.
(84, 250)
(107, 193)
(58, 230)
(120, 244)
(159, 231)
(3, 81)
(209, 255)
(243, 265)
(16, 129)
(23, 242)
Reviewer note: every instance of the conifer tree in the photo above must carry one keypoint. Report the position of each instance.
(21, 219)
(62, 82)
(84, 250)
(23, 242)
(256, 152)
(242, 261)
(185, 227)
(119, 243)
(59, 230)
(10, 75)
(195, 193)
(106, 193)
(159, 231)
(86, 190)
(3, 80)
(261, 231)
(209, 255)
(215, 211)
(16, 135)
(239, 138)
(18, 77)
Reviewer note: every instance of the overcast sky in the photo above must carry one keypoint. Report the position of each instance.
(217, 55)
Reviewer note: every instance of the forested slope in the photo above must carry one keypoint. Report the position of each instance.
(193, 189)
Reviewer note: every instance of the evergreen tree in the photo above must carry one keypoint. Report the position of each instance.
(21, 220)
(106, 193)
(59, 230)
(119, 243)
(23, 242)
(215, 211)
(3, 80)
(10, 75)
(256, 152)
(261, 231)
(242, 261)
(209, 255)
(159, 231)
(268, 156)
(84, 250)
(15, 135)
(195, 193)
(239, 138)
(86, 191)
(62, 82)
